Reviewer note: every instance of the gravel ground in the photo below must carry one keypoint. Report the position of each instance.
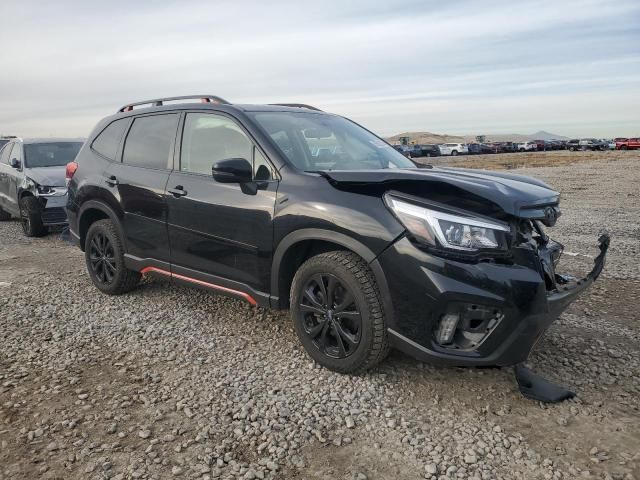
(170, 382)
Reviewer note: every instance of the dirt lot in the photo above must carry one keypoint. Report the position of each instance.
(169, 382)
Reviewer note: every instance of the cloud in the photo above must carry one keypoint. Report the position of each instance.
(459, 66)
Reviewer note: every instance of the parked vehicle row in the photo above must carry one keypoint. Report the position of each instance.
(453, 149)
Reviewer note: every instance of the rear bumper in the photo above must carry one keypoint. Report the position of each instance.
(422, 287)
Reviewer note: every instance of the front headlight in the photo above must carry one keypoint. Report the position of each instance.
(447, 230)
(47, 190)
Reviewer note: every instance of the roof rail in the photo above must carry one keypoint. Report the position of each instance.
(158, 102)
(296, 105)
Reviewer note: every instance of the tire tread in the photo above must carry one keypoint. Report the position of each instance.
(353, 263)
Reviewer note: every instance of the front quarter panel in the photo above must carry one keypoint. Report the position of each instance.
(308, 201)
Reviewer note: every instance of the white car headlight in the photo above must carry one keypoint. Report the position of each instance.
(448, 230)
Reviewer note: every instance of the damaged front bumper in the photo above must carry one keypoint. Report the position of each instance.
(502, 309)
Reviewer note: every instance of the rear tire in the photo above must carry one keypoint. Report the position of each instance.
(104, 254)
(31, 218)
(454, 153)
(337, 312)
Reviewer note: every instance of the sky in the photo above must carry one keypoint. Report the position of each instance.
(570, 67)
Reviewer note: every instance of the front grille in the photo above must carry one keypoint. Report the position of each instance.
(54, 215)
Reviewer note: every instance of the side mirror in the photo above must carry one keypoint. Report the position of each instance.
(232, 170)
(15, 163)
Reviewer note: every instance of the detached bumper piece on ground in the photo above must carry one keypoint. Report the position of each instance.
(534, 386)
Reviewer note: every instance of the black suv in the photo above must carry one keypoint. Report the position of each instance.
(286, 206)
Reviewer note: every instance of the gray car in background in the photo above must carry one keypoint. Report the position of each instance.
(32, 181)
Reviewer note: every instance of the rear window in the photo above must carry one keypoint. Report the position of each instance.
(54, 154)
(108, 141)
(149, 141)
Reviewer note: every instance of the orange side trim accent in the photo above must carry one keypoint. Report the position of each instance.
(244, 295)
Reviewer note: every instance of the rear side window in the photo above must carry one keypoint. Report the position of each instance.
(108, 141)
(149, 141)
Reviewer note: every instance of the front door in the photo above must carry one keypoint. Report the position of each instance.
(220, 231)
(140, 180)
(11, 179)
(4, 174)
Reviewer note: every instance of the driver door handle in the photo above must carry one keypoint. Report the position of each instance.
(178, 191)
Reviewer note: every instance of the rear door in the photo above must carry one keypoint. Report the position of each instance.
(220, 233)
(139, 181)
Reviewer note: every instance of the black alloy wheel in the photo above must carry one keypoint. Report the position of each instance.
(104, 255)
(102, 258)
(337, 312)
(330, 316)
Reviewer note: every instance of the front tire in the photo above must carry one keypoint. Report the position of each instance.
(104, 254)
(337, 312)
(454, 153)
(4, 216)
(31, 218)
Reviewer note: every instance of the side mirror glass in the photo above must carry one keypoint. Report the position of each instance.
(15, 163)
(232, 170)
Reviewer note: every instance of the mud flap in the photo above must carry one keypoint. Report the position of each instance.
(535, 387)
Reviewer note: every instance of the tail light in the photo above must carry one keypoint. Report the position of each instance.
(70, 172)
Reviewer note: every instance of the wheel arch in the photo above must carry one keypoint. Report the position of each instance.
(295, 248)
(92, 211)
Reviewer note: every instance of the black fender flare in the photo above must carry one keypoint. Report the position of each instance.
(107, 210)
(345, 241)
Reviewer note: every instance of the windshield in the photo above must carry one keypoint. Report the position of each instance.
(312, 141)
(54, 154)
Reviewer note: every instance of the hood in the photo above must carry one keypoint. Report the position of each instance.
(516, 195)
(49, 176)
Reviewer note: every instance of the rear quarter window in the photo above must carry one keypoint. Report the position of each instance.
(149, 141)
(108, 141)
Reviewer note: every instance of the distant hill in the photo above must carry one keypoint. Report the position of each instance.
(428, 137)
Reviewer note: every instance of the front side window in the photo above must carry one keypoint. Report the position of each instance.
(16, 152)
(209, 138)
(50, 154)
(108, 141)
(317, 141)
(149, 141)
(4, 153)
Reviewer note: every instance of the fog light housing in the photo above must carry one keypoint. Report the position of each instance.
(464, 326)
(447, 328)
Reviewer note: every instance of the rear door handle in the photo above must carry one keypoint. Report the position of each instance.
(178, 191)
(111, 180)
